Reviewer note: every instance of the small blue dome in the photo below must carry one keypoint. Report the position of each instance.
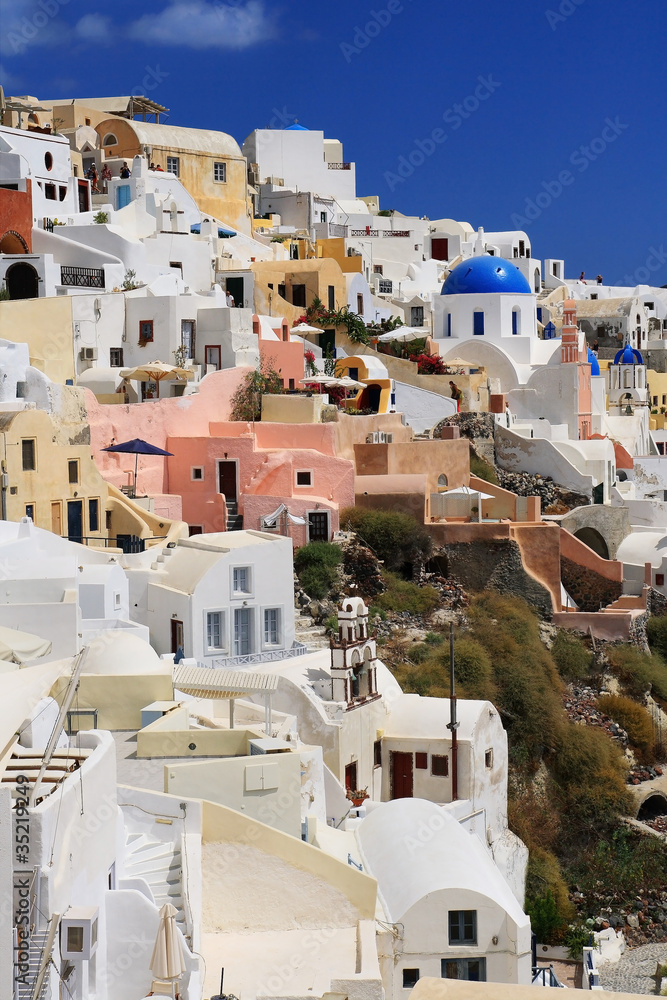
(485, 275)
(595, 367)
(628, 356)
(296, 128)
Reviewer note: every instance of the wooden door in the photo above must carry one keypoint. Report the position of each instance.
(401, 774)
(57, 518)
(318, 526)
(176, 635)
(351, 776)
(440, 248)
(227, 480)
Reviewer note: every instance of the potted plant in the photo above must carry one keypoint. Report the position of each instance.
(357, 796)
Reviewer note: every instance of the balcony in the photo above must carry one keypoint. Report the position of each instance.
(339, 166)
(82, 277)
(405, 233)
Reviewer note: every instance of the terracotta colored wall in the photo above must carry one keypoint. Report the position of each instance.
(16, 215)
(540, 553)
(576, 551)
(612, 627)
(286, 357)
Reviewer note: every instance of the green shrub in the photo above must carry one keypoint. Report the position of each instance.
(656, 630)
(315, 565)
(577, 937)
(434, 638)
(246, 402)
(590, 771)
(547, 900)
(472, 668)
(420, 652)
(571, 657)
(632, 717)
(626, 863)
(394, 537)
(639, 671)
(480, 467)
(402, 595)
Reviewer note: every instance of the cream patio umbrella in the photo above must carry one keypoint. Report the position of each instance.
(17, 647)
(302, 328)
(156, 371)
(167, 962)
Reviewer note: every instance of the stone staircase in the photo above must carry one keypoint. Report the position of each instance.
(25, 989)
(159, 865)
(310, 634)
(234, 519)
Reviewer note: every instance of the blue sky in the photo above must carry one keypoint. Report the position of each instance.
(546, 115)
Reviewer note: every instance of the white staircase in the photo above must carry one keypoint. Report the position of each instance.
(159, 865)
(37, 946)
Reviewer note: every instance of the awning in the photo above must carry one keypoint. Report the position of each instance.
(17, 647)
(207, 682)
(270, 519)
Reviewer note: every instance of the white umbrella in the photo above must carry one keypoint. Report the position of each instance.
(17, 647)
(466, 491)
(167, 959)
(156, 371)
(345, 382)
(402, 334)
(304, 328)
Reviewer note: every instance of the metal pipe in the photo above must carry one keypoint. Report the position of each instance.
(453, 724)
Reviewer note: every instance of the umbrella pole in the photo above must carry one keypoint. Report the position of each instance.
(136, 463)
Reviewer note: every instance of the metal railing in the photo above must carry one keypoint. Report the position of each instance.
(268, 656)
(339, 166)
(380, 232)
(82, 277)
(337, 230)
(127, 543)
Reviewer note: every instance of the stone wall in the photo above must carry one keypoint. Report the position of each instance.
(479, 428)
(497, 566)
(588, 589)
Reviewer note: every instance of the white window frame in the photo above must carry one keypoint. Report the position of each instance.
(239, 594)
(301, 486)
(177, 161)
(266, 643)
(223, 179)
(222, 648)
(197, 479)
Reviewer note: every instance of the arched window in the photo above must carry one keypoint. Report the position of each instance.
(516, 322)
(537, 284)
(442, 482)
(109, 140)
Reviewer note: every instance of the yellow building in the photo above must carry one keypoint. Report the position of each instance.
(209, 165)
(335, 248)
(52, 478)
(287, 287)
(45, 325)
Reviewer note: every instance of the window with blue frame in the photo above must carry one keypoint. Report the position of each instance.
(539, 314)
(471, 969)
(449, 325)
(515, 322)
(463, 927)
(478, 324)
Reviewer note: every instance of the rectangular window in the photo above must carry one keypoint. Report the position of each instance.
(421, 761)
(145, 331)
(515, 323)
(478, 324)
(539, 314)
(449, 324)
(272, 626)
(488, 758)
(74, 938)
(62, 191)
(471, 969)
(377, 753)
(220, 172)
(655, 400)
(318, 526)
(28, 455)
(241, 580)
(331, 291)
(410, 977)
(323, 216)
(116, 357)
(93, 515)
(197, 473)
(214, 630)
(378, 268)
(417, 316)
(304, 478)
(439, 765)
(299, 295)
(116, 601)
(50, 192)
(660, 579)
(360, 304)
(463, 927)
(188, 337)
(30, 511)
(73, 471)
(172, 165)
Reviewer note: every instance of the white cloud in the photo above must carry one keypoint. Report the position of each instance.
(200, 25)
(94, 28)
(28, 23)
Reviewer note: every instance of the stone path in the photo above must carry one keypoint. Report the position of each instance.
(635, 972)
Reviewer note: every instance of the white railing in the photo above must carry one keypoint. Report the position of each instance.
(268, 656)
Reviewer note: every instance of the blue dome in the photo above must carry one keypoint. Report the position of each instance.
(595, 367)
(628, 356)
(485, 275)
(295, 128)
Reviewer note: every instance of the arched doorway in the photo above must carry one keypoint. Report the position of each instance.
(22, 281)
(594, 540)
(653, 806)
(12, 242)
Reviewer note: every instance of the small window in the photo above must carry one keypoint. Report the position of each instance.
(197, 473)
(110, 139)
(442, 482)
(539, 314)
(594, 296)
(378, 269)
(28, 455)
(488, 758)
(421, 761)
(331, 293)
(304, 478)
(515, 322)
(323, 216)
(107, 519)
(145, 331)
(73, 471)
(214, 630)
(172, 165)
(220, 172)
(241, 581)
(74, 938)
(272, 626)
(377, 753)
(48, 161)
(478, 324)
(463, 927)
(30, 511)
(664, 399)
(410, 977)
(195, 529)
(649, 305)
(116, 601)
(93, 515)
(439, 765)
(660, 579)
(360, 304)
(471, 969)
(87, 121)
(62, 191)
(50, 192)
(655, 400)
(116, 357)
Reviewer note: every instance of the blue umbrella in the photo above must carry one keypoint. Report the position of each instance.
(136, 447)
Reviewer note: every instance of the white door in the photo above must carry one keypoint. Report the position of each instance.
(242, 637)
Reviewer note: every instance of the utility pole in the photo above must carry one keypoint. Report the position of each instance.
(453, 724)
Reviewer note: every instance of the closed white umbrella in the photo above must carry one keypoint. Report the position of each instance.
(167, 959)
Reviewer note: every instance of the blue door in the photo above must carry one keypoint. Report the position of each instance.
(122, 196)
(75, 520)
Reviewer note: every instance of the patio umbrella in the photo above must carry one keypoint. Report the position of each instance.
(156, 371)
(459, 363)
(17, 647)
(167, 959)
(402, 334)
(304, 328)
(136, 447)
(346, 382)
(468, 492)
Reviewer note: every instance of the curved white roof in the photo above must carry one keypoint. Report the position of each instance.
(197, 140)
(450, 859)
(117, 653)
(641, 547)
